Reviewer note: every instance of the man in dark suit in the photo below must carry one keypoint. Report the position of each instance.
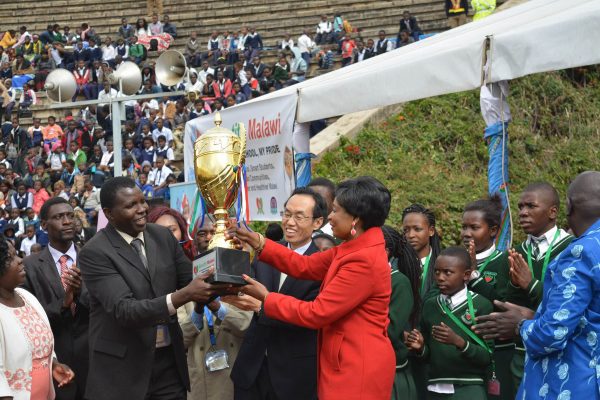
(409, 23)
(137, 276)
(55, 280)
(278, 360)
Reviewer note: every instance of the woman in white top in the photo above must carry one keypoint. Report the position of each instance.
(27, 359)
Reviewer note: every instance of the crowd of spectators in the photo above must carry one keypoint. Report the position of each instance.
(72, 156)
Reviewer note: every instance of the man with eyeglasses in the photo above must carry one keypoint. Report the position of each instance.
(54, 279)
(278, 360)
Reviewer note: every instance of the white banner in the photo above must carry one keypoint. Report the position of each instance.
(269, 127)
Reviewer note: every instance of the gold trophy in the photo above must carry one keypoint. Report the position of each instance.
(219, 155)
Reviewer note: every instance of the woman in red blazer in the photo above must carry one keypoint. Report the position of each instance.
(356, 358)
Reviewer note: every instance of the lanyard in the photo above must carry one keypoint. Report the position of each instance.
(461, 324)
(546, 257)
(425, 270)
(487, 261)
(211, 326)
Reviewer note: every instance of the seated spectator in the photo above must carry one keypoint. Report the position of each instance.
(137, 52)
(52, 134)
(56, 35)
(8, 99)
(348, 46)
(31, 218)
(28, 241)
(90, 200)
(128, 167)
(122, 50)
(83, 79)
(253, 44)
(126, 31)
(40, 175)
(148, 151)
(324, 31)
(298, 67)
(96, 156)
(22, 35)
(257, 67)
(287, 42)
(404, 39)
(218, 105)
(222, 86)
(338, 27)
(325, 57)
(132, 151)
(161, 130)
(194, 85)
(28, 98)
(28, 50)
(230, 101)
(141, 27)
(96, 53)
(8, 39)
(108, 52)
(16, 221)
(163, 150)
(106, 93)
(233, 51)
(204, 71)
(35, 134)
(281, 73)
(409, 24)
(213, 48)
(76, 154)
(23, 72)
(146, 188)
(208, 92)
(168, 27)
(69, 173)
(181, 115)
(22, 199)
(69, 38)
(361, 53)
(155, 27)
(158, 177)
(192, 50)
(56, 161)
(3, 56)
(199, 109)
(55, 54)
(383, 45)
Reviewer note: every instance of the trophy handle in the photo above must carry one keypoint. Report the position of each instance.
(242, 134)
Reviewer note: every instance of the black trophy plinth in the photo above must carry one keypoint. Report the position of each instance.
(229, 265)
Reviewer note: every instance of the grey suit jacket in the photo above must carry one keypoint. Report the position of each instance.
(127, 302)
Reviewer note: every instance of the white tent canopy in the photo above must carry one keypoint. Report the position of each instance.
(537, 36)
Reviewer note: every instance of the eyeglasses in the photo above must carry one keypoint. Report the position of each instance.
(299, 218)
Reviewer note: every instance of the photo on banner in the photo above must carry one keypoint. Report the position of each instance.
(269, 151)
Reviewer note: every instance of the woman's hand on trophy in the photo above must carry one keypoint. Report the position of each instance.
(254, 288)
(241, 236)
(242, 301)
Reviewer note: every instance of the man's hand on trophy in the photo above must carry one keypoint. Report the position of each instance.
(199, 291)
(242, 237)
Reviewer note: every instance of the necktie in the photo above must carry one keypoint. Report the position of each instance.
(137, 245)
(63, 272)
(448, 303)
(535, 247)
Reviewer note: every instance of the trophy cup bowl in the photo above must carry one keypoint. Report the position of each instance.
(218, 155)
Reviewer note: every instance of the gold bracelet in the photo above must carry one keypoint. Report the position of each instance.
(261, 244)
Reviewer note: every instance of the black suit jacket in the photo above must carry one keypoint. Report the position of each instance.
(70, 331)
(127, 302)
(414, 26)
(292, 350)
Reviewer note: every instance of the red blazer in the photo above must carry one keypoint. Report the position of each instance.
(356, 358)
(227, 88)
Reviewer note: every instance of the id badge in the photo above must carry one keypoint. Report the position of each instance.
(216, 360)
(493, 387)
(163, 338)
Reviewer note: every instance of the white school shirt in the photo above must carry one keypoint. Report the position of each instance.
(300, 250)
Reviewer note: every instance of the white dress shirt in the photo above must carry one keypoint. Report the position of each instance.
(305, 44)
(546, 239)
(486, 253)
(300, 250)
(157, 176)
(56, 255)
(166, 132)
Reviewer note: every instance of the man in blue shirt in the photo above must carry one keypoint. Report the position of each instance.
(562, 338)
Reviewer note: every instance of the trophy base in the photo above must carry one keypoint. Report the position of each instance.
(229, 265)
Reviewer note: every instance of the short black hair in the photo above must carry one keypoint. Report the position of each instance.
(457, 252)
(70, 161)
(323, 182)
(4, 257)
(548, 189)
(320, 208)
(491, 209)
(108, 192)
(366, 198)
(45, 210)
(274, 232)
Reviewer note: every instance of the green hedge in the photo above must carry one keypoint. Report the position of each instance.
(433, 152)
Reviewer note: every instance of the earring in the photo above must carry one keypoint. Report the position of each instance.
(353, 231)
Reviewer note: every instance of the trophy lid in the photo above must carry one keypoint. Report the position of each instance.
(218, 129)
